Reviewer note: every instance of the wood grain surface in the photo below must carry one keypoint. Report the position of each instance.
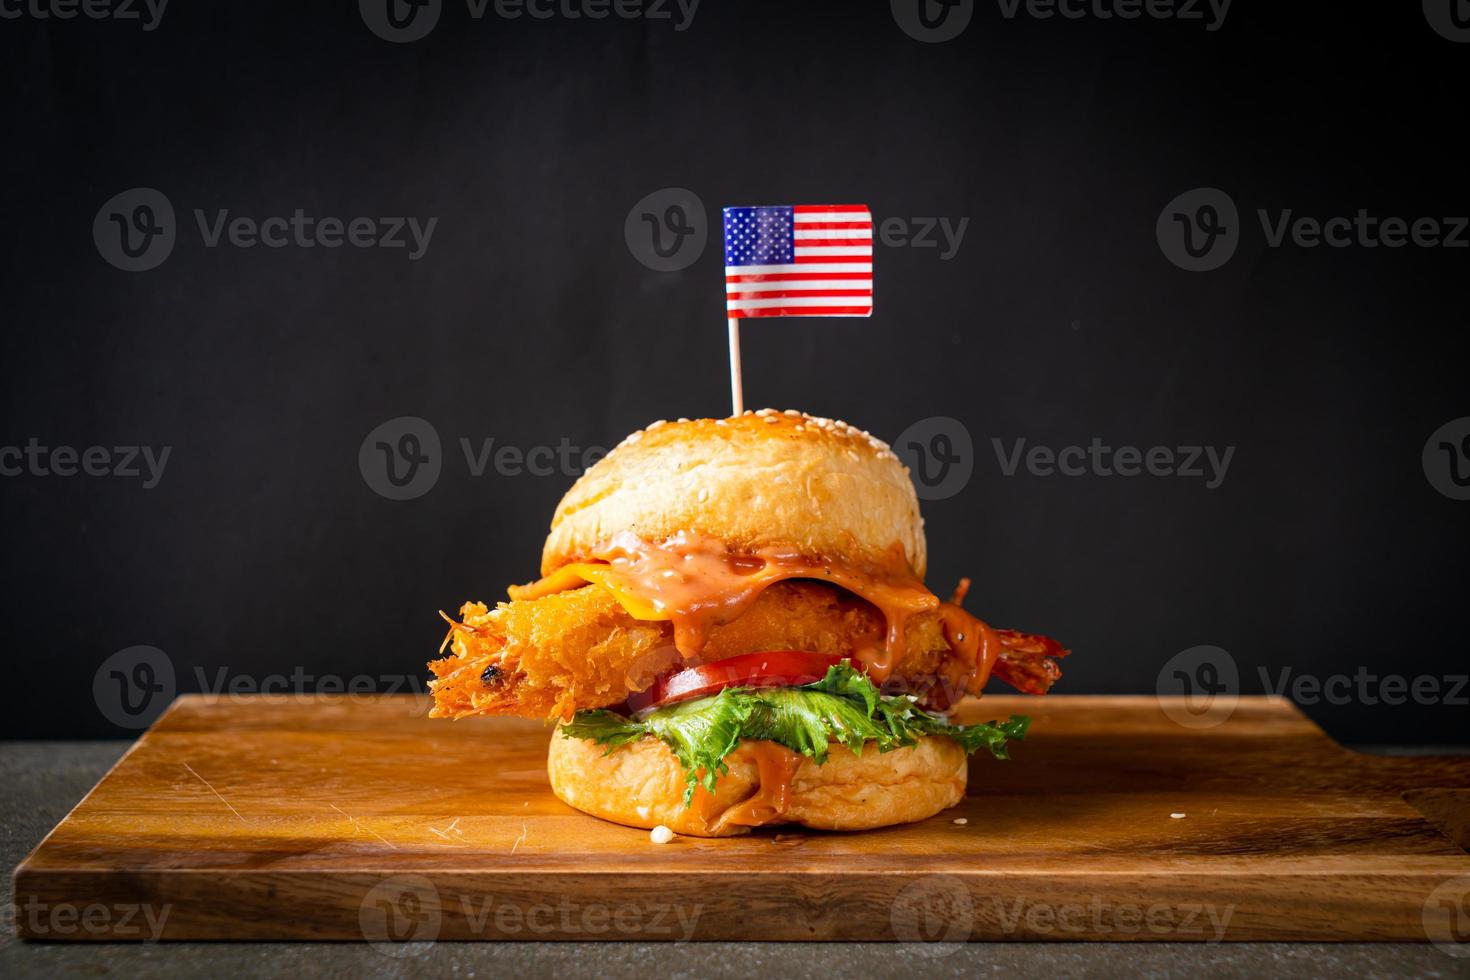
(358, 818)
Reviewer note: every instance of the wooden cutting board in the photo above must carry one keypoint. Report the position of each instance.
(358, 819)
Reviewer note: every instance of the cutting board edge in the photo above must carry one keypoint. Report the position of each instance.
(858, 906)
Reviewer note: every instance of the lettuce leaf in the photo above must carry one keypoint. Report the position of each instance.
(842, 707)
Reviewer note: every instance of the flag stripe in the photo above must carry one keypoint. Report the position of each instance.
(805, 226)
(825, 208)
(825, 231)
(832, 217)
(763, 302)
(735, 314)
(814, 266)
(837, 257)
(768, 293)
(862, 285)
(797, 276)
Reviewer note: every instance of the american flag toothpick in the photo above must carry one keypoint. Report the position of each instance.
(801, 260)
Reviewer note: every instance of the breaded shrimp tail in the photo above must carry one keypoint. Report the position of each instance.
(553, 656)
(546, 658)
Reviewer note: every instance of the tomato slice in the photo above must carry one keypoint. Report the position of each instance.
(774, 668)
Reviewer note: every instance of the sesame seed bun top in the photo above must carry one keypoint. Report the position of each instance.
(761, 479)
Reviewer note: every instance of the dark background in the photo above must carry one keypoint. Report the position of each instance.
(264, 550)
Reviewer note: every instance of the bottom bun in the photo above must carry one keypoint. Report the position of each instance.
(642, 785)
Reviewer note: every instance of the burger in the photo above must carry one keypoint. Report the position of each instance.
(731, 630)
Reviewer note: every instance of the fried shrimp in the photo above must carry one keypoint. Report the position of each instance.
(552, 656)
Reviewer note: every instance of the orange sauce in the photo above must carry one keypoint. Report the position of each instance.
(696, 583)
(776, 766)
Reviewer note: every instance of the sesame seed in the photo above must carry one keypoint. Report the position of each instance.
(1177, 816)
(660, 834)
(961, 821)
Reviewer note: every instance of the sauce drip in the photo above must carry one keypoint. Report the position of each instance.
(695, 583)
(776, 765)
